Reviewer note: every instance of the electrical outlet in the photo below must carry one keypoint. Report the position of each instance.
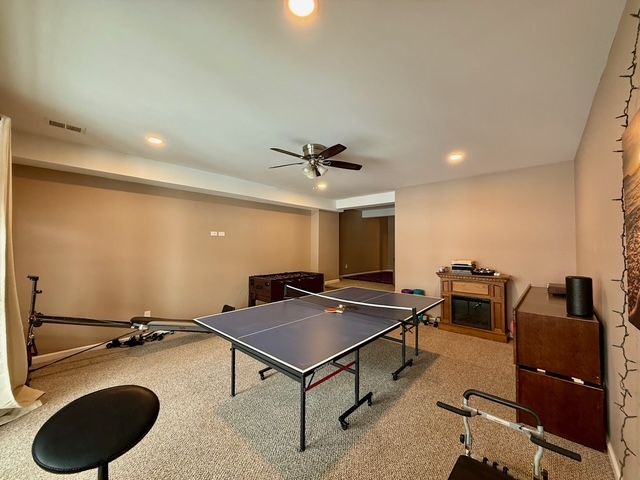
(213, 234)
(147, 313)
(221, 234)
(346, 266)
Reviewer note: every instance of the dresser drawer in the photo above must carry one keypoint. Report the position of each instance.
(567, 409)
(567, 347)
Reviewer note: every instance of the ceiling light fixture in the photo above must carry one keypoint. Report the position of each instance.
(312, 170)
(302, 8)
(456, 157)
(154, 140)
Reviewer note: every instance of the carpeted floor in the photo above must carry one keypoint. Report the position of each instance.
(346, 282)
(203, 433)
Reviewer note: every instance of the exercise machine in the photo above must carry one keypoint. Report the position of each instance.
(151, 328)
(469, 467)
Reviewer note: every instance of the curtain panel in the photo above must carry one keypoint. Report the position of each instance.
(15, 397)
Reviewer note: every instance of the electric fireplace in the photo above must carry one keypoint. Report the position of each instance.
(471, 312)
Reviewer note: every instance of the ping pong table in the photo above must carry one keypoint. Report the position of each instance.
(300, 335)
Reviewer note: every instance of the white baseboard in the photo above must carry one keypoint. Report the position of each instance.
(614, 460)
(53, 356)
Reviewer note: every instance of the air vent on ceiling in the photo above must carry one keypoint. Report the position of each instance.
(66, 126)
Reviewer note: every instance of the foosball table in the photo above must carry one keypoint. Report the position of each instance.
(270, 288)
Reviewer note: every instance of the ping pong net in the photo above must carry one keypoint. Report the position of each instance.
(337, 305)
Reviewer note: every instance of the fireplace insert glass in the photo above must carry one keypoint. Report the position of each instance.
(471, 312)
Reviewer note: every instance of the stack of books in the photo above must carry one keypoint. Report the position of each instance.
(463, 266)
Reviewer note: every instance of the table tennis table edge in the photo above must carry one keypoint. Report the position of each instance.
(333, 357)
(325, 291)
(308, 370)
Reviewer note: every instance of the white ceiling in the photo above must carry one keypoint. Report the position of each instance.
(401, 82)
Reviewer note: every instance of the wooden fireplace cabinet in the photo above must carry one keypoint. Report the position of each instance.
(484, 288)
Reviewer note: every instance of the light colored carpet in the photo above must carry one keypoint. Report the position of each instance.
(203, 433)
(348, 282)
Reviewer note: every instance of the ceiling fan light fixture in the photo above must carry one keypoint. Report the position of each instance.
(313, 170)
(316, 158)
(309, 172)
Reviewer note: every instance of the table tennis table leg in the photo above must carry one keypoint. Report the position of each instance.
(233, 371)
(263, 371)
(357, 380)
(416, 323)
(303, 401)
(405, 362)
(358, 401)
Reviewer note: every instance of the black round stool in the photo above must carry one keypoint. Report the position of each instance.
(95, 429)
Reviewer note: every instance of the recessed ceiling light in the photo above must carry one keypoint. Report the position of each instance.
(321, 186)
(302, 8)
(455, 157)
(154, 140)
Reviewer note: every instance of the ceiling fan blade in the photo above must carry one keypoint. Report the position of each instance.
(332, 151)
(339, 164)
(288, 164)
(286, 152)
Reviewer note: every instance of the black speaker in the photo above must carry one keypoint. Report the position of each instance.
(579, 296)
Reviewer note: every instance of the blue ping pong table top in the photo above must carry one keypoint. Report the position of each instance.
(302, 336)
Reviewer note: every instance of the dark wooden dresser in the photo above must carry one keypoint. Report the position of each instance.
(270, 287)
(559, 367)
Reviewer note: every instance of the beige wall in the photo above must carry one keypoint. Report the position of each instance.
(111, 249)
(519, 222)
(364, 243)
(324, 243)
(598, 174)
(328, 248)
(389, 260)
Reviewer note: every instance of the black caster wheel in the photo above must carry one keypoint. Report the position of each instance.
(344, 425)
(369, 402)
(394, 376)
(109, 345)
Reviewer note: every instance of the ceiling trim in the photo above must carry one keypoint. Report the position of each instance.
(373, 200)
(378, 212)
(45, 152)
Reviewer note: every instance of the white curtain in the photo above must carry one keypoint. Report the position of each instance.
(15, 398)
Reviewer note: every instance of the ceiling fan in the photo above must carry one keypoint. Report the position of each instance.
(316, 158)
